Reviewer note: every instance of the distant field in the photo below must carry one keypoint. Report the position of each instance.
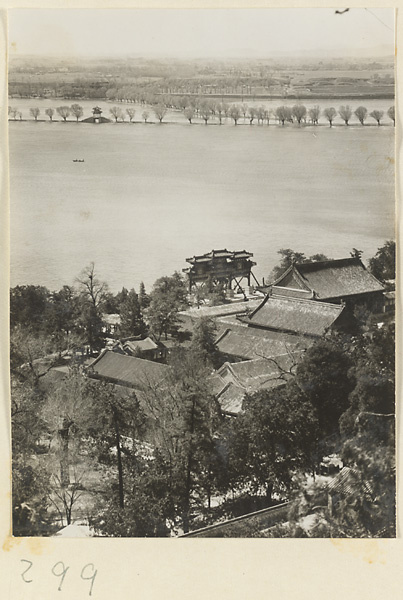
(354, 73)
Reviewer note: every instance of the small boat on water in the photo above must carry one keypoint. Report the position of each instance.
(78, 160)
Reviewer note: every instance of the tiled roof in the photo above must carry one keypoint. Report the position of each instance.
(127, 370)
(336, 278)
(305, 317)
(233, 380)
(244, 344)
(255, 374)
(231, 398)
(53, 377)
(243, 254)
(260, 373)
(219, 254)
(146, 344)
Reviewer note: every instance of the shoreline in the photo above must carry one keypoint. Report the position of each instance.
(183, 124)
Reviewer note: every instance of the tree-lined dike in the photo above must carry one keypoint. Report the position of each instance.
(136, 452)
(201, 111)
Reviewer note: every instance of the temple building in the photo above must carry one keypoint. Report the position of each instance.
(335, 281)
(241, 343)
(221, 266)
(232, 381)
(96, 117)
(127, 371)
(298, 315)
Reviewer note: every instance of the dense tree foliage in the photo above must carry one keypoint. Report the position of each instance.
(383, 264)
(167, 298)
(323, 377)
(203, 341)
(131, 317)
(271, 440)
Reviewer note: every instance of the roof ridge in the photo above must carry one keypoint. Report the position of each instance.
(100, 355)
(308, 301)
(284, 287)
(288, 270)
(350, 259)
(137, 359)
(223, 334)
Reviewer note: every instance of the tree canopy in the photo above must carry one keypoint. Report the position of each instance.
(167, 298)
(383, 264)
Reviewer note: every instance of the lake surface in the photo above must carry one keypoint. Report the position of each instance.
(148, 196)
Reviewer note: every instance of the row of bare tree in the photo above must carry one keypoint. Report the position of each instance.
(63, 111)
(295, 114)
(209, 109)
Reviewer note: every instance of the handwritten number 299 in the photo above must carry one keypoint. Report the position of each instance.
(88, 573)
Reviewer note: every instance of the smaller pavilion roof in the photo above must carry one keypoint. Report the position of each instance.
(256, 374)
(230, 399)
(232, 381)
(127, 370)
(219, 254)
(146, 344)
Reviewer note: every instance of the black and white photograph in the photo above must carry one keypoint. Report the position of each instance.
(202, 272)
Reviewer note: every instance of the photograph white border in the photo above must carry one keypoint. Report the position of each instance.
(167, 569)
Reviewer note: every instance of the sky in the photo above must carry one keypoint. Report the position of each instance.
(196, 33)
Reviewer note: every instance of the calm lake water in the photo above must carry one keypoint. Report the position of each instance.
(148, 196)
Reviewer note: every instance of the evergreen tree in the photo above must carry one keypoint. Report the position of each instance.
(324, 378)
(186, 419)
(272, 439)
(203, 341)
(383, 264)
(131, 318)
(168, 297)
(144, 299)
